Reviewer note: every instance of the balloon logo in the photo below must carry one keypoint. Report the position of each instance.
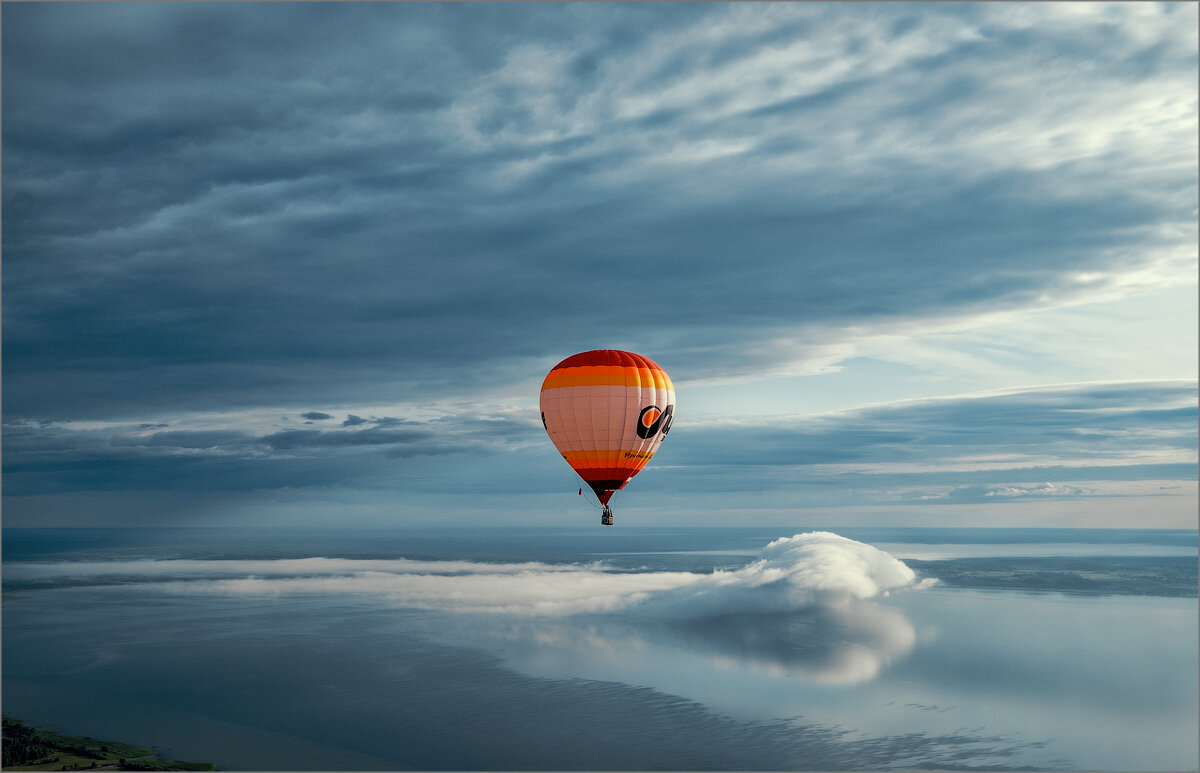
(607, 412)
(652, 419)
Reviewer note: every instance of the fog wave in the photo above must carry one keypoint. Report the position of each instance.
(794, 573)
(789, 574)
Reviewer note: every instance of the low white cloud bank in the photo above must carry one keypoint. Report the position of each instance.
(182, 569)
(793, 573)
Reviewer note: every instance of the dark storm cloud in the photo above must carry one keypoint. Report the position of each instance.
(316, 416)
(222, 205)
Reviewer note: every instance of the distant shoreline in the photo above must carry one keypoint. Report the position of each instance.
(32, 748)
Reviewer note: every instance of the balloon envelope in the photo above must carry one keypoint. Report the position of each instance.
(607, 412)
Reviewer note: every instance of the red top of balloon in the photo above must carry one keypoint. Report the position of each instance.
(608, 357)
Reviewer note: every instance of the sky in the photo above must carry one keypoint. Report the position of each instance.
(307, 264)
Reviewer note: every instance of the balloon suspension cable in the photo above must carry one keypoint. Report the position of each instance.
(593, 501)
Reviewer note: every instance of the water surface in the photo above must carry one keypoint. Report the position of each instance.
(611, 649)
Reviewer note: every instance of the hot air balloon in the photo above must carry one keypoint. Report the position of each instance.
(607, 412)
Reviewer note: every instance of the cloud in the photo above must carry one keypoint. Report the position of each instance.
(293, 439)
(982, 494)
(795, 573)
(804, 604)
(743, 191)
(1084, 420)
(470, 206)
(243, 453)
(1026, 443)
(1041, 490)
(817, 568)
(154, 570)
(1044, 444)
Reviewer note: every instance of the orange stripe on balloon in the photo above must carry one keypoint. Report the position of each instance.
(607, 375)
(606, 457)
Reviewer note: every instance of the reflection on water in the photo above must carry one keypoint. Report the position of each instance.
(842, 644)
(1053, 678)
(846, 643)
(753, 666)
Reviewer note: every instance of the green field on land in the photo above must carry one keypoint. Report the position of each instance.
(30, 748)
